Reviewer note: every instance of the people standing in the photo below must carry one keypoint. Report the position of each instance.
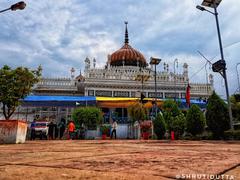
(62, 127)
(32, 129)
(114, 129)
(71, 128)
(50, 130)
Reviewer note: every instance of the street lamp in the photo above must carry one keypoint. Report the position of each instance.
(155, 62)
(18, 6)
(238, 77)
(175, 93)
(142, 77)
(219, 66)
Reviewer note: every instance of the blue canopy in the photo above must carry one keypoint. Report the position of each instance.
(201, 103)
(62, 101)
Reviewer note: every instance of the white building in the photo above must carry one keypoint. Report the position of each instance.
(125, 75)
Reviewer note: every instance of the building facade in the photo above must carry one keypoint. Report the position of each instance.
(126, 74)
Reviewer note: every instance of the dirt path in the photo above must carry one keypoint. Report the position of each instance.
(118, 159)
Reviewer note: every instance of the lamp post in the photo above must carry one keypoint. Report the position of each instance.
(175, 93)
(219, 66)
(238, 77)
(155, 62)
(18, 6)
(142, 77)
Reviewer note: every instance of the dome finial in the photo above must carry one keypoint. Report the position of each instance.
(126, 33)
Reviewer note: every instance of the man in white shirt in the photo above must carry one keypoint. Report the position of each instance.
(114, 128)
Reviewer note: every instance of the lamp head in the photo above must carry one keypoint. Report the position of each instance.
(18, 6)
(200, 8)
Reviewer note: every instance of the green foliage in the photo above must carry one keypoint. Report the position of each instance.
(89, 116)
(232, 135)
(171, 106)
(178, 124)
(217, 116)
(195, 121)
(137, 112)
(159, 126)
(16, 84)
(170, 111)
(235, 104)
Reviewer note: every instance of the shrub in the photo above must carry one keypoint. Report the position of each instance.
(232, 135)
(217, 116)
(159, 126)
(171, 106)
(195, 121)
(89, 116)
(170, 111)
(178, 125)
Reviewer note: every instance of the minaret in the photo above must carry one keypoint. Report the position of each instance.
(72, 75)
(211, 80)
(108, 62)
(72, 72)
(94, 63)
(185, 71)
(87, 64)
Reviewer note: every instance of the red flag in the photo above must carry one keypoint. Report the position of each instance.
(188, 95)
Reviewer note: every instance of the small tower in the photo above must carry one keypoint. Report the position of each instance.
(165, 67)
(108, 62)
(87, 64)
(94, 63)
(185, 70)
(72, 72)
(211, 79)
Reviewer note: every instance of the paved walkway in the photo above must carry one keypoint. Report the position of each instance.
(119, 159)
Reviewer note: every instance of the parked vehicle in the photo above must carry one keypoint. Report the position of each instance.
(41, 129)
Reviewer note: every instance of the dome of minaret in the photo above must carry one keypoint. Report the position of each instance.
(127, 55)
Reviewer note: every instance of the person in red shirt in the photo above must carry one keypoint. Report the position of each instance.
(71, 128)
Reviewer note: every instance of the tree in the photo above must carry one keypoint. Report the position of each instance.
(235, 103)
(178, 124)
(137, 112)
(15, 84)
(217, 116)
(159, 126)
(195, 121)
(170, 111)
(89, 116)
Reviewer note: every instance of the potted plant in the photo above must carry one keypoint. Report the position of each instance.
(105, 130)
(145, 127)
(15, 84)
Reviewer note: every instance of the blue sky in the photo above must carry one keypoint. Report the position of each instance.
(60, 34)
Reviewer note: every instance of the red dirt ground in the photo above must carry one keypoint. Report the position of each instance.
(119, 159)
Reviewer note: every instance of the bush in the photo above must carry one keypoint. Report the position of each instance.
(232, 135)
(217, 116)
(178, 125)
(170, 111)
(159, 126)
(204, 136)
(105, 129)
(195, 121)
(89, 116)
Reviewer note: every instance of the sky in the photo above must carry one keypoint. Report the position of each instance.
(60, 34)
